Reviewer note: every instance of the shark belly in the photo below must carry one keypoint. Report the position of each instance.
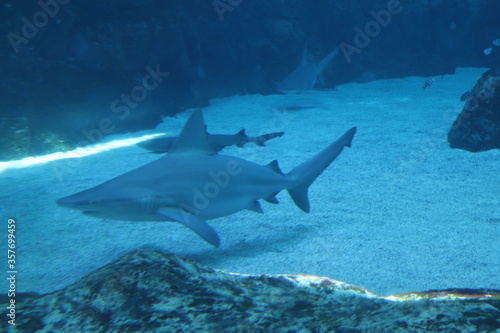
(209, 187)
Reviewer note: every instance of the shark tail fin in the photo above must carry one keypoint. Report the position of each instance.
(326, 60)
(307, 172)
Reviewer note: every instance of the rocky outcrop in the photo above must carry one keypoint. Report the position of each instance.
(150, 291)
(477, 127)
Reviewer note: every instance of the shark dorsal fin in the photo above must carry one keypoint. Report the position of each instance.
(193, 137)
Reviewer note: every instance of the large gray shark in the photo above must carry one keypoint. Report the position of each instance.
(216, 141)
(305, 75)
(191, 184)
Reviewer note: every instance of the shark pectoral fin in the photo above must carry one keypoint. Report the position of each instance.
(255, 207)
(193, 222)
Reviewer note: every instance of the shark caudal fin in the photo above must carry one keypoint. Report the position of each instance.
(307, 172)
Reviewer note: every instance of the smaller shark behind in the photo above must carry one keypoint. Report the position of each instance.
(192, 184)
(216, 141)
(305, 75)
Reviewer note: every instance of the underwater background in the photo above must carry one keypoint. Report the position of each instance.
(69, 64)
(413, 205)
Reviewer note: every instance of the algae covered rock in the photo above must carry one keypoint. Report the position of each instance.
(477, 128)
(151, 291)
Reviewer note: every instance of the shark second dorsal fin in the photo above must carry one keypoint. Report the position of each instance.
(193, 137)
(275, 167)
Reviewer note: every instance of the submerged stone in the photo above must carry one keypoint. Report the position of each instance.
(151, 291)
(477, 128)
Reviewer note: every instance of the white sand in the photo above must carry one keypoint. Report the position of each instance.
(400, 211)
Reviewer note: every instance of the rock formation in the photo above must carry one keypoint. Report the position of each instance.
(477, 127)
(150, 291)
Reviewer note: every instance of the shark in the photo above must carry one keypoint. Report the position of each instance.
(216, 141)
(305, 75)
(191, 184)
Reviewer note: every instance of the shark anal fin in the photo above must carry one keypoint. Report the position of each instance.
(193, 222)
(255, 207)
(273, 165)
(272, 198)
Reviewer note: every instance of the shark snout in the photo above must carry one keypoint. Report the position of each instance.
(67, 202)
(74, 201)
(63, 201)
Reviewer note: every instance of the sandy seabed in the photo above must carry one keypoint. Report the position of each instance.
(399, 211)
